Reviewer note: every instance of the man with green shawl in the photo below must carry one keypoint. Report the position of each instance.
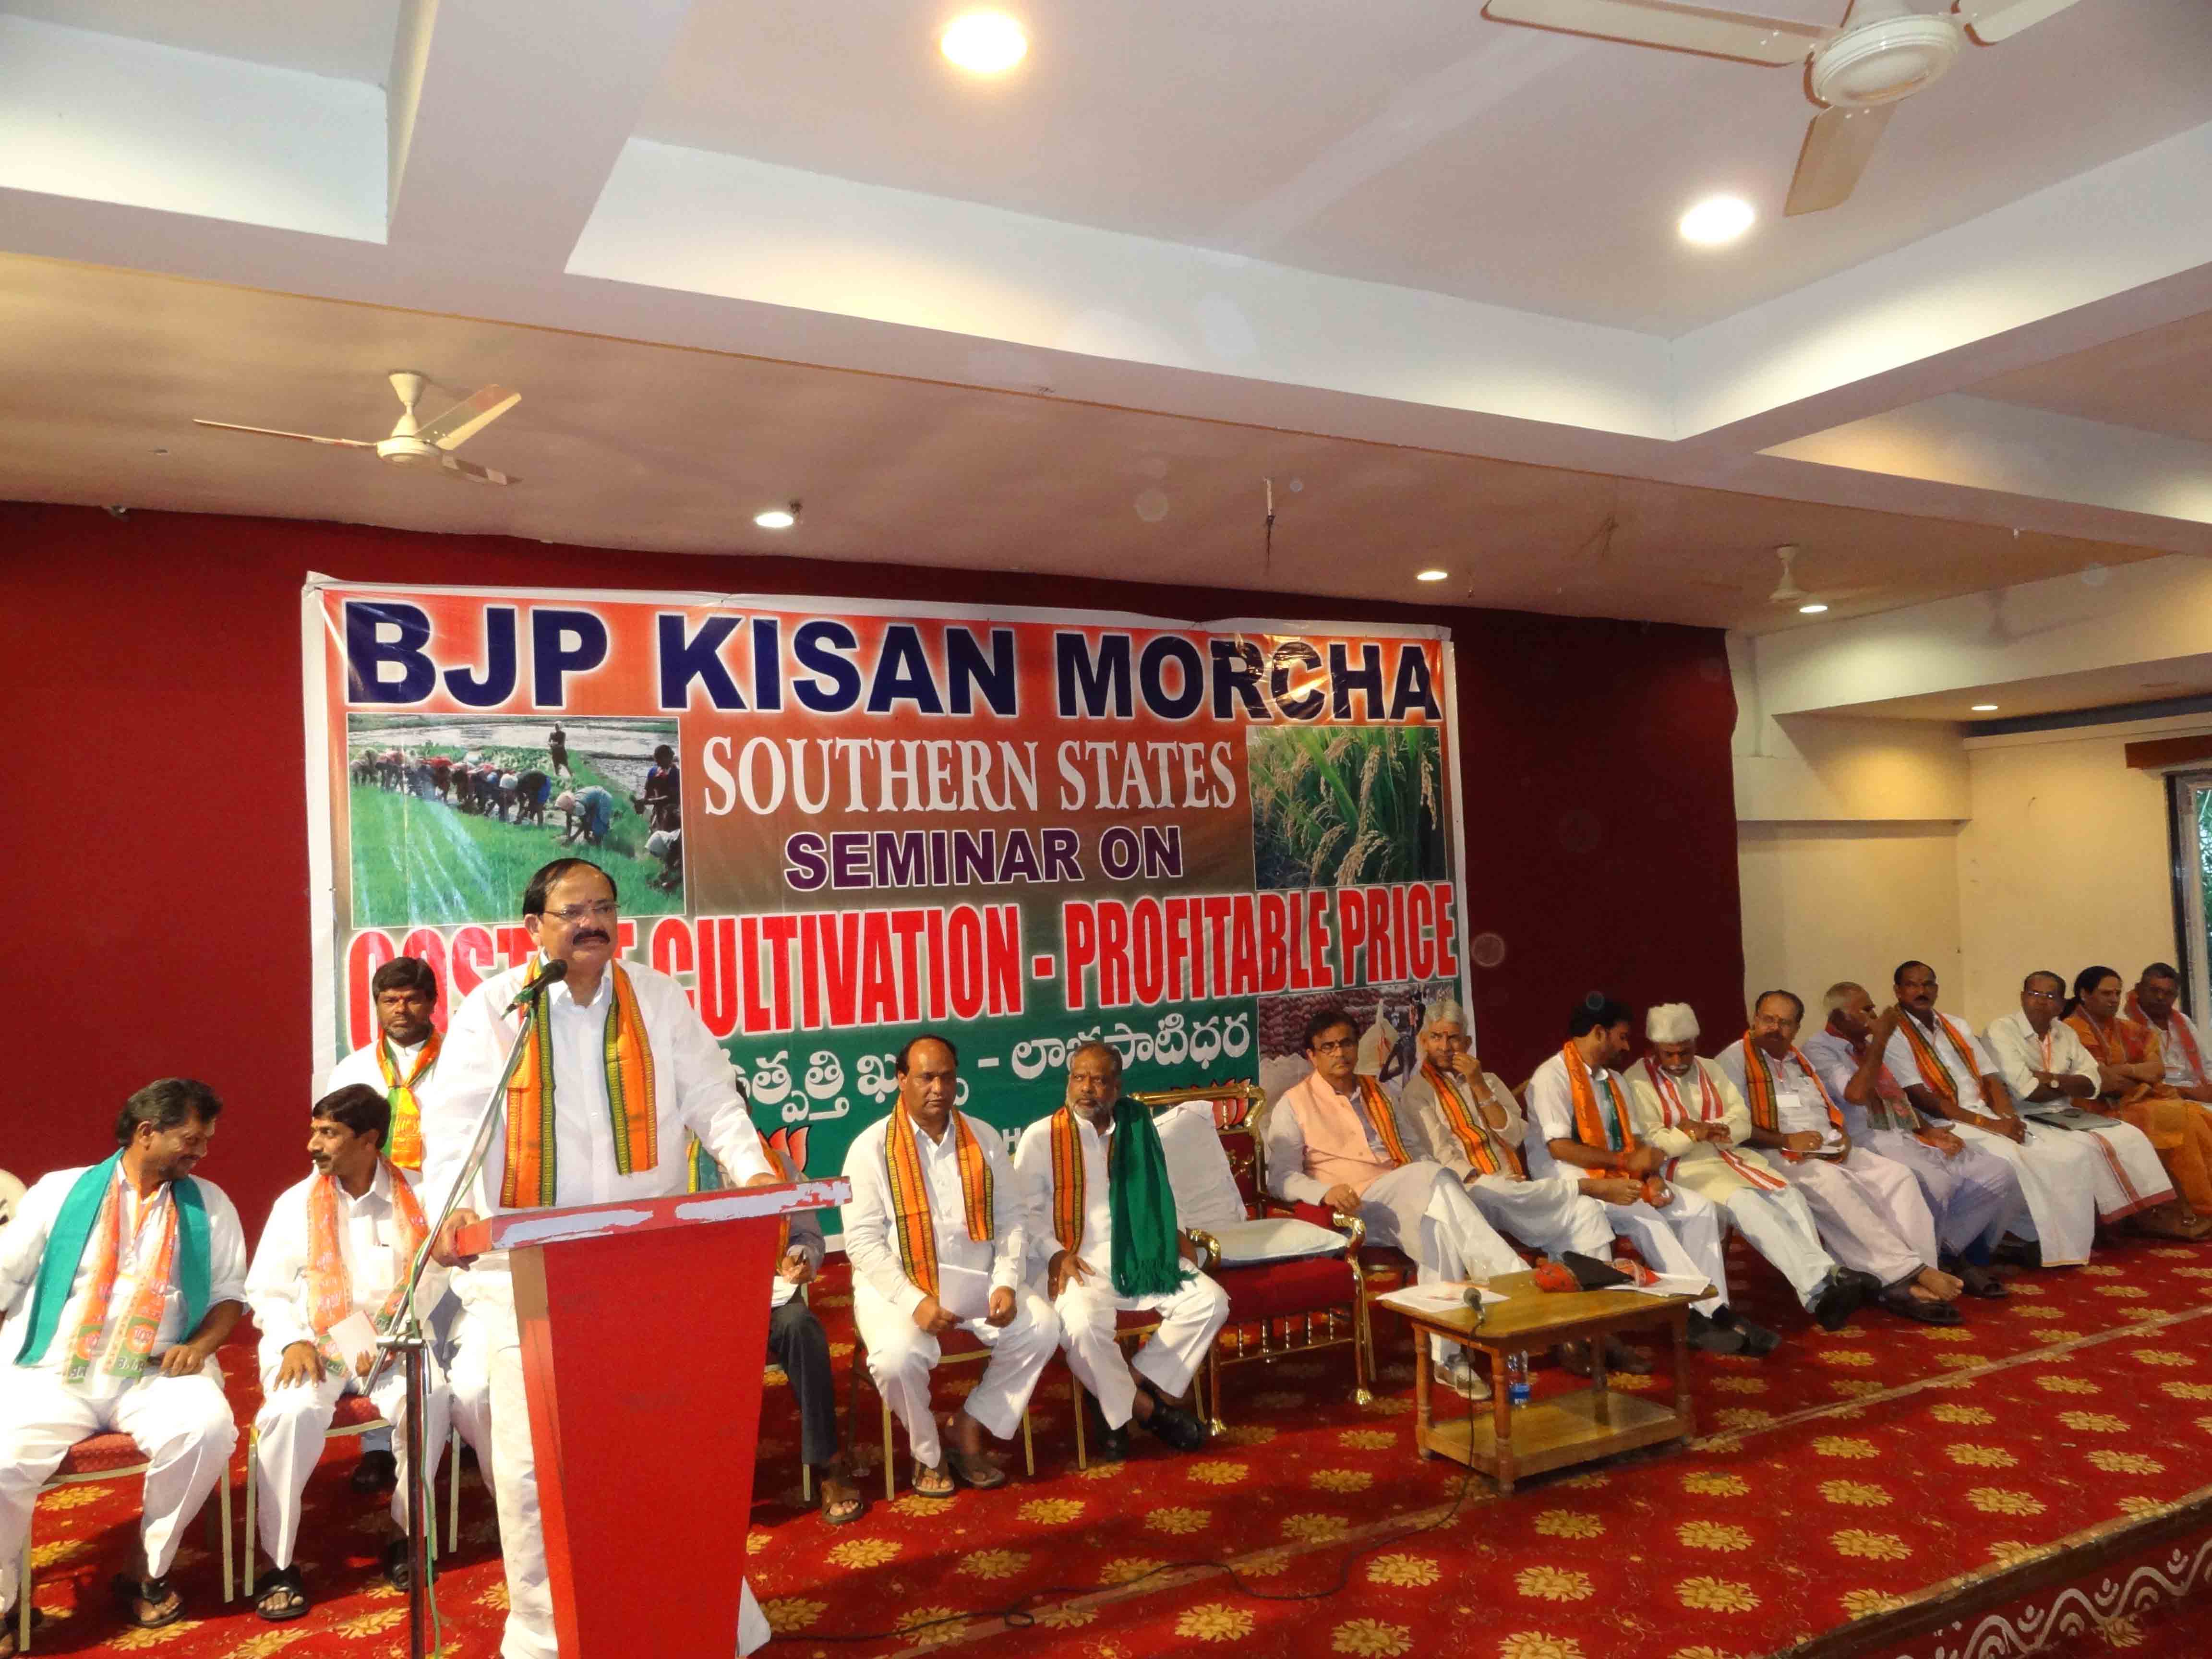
(119, 1282)
(1103, 1224)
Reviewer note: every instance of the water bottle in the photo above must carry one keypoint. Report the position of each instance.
(1516, 1379)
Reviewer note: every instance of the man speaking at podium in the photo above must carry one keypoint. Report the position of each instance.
(619, 1066)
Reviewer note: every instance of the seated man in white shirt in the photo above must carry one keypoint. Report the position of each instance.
(2043, 1061)
(1473, 1126)
(2155, 1002)
(399, 1060)
(1579, 1102)
(1948, 1077)
(1686, 1108)
(119, 1282)
(331, 1268)
(938, 1232)
(1102, 1221)
(1871, 1212)
(1971, 1192)
(1334, 1138)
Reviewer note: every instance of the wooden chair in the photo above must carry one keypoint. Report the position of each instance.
(1273, 1306)
(110, 1457)
(354, 1415)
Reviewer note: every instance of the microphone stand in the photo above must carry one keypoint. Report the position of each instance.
(407, 1339)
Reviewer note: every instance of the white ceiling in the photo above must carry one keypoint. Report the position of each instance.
(731, 250)
(1416, 142)
(346, 40)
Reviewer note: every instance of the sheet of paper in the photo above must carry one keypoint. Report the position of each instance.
(353, 1336)
(1669, 1284)
(1437, 1297)
(962, 1292)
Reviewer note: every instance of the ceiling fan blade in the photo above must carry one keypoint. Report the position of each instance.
(458, 468)
(1674, 27)
(469, 417)
(301, 437)
(1992, 20)
(1838, 144)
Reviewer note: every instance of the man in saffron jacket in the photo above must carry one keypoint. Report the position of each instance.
(120, 1283)
(1336, 1139)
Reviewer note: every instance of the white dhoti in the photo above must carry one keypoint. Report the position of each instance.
(293, 1424)
(1552, 1215)
(1974, 1194)
(491, 1332)
(1781, 1227)
(2058, 1172)
(182, 1423)
(1682, 1235)
(901, 1356)
(1423, 1209)
(1871, 1215)
(1190, 1317)
(467, 1356)
(2130, 1175)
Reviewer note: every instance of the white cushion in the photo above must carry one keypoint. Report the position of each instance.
(1205, 1193)
(1278, 1239)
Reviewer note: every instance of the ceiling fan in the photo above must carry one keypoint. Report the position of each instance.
(1857, 73)
(1787, 591)
(414, 444)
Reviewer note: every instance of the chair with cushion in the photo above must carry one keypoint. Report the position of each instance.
(111, 1458)
(1282, 1272)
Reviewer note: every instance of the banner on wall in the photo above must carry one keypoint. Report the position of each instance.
(840, 823)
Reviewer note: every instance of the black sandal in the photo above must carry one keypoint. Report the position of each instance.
(284, 1582)
(131, 1590)
(398, 1568)
(978, 1471)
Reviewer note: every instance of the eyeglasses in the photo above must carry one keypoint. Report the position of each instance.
(602, 910)
(1337, 1047)
(2045, 996)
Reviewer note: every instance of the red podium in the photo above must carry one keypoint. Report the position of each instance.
(644, 1335)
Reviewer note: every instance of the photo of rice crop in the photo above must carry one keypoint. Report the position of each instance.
(1334, 805)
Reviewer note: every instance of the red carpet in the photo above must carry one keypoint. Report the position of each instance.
(1837, 1479)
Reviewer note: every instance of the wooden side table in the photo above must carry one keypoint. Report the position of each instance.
(1573, 1428)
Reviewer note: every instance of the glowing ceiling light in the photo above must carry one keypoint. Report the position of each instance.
(777, 518)
(1985, 708)
(1717, 219)
(1430, 575)
(984, 42)
(1811, 608)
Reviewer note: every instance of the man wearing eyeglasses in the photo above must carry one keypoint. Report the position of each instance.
(625, 1049)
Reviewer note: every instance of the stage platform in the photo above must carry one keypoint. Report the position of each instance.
(2036, 1480)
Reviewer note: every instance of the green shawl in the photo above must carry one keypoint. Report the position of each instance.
(72, 1229)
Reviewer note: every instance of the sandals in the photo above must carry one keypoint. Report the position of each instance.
(979, 1472)
(284, 1584)
(398, 1568)
(842, 1501)
(7, 1648)
(933, 1482)
(135, 1593)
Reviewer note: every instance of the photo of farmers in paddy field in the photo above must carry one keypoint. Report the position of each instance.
(449, 816)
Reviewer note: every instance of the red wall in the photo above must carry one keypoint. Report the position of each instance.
(157, 863)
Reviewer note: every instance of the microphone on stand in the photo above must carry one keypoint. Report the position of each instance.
(555, 971)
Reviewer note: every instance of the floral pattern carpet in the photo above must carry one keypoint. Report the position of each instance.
(1835, 1478)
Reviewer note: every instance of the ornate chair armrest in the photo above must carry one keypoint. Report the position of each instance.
(1208, 1246)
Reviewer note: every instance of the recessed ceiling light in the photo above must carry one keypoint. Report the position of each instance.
(778, 518)
(1430, 575)
(1811, 608)
(1985, 708)
(1717, 219)
(984, 42)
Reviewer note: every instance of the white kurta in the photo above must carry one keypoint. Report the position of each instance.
(691, 1090)
(295, 1421)
(1871, 1212)
(1683, 1236)
(1190, 1316)
(2057, 1168)
(182, 1423)
(901, 1354)
(361, 1066)
(2130, 1177)
(2181, 1072)
(1973, 1192)
(1551, 1214)
(1772, 1214)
